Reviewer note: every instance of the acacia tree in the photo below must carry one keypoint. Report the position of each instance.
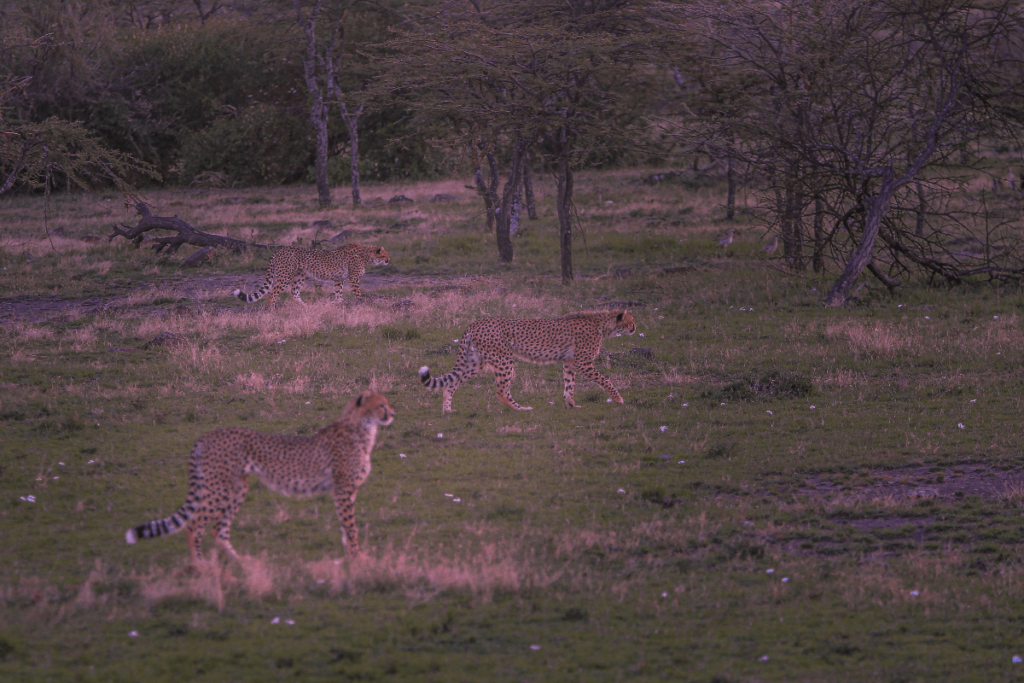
(318, 83)
(54, 151)
(857, 109)
(551, 75)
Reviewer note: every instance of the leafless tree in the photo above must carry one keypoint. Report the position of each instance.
(857, 111)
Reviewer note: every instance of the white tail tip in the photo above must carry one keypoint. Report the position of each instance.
(237, 292)
(131, 537)
(424, 371)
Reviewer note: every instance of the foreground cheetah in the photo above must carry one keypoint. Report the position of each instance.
(291, 265)
(335, 459)
(492, 344)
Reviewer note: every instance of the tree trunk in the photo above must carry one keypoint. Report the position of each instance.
(565, 189)
(730, 199)
(921, 208)
(796, 210)
(819, 235)
(862, 255)
(531, 203)
(318, 110)
(509, 200)
(352, 123)
(489, 192)
(517, 210)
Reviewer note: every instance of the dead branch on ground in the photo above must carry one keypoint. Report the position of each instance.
(186, 233)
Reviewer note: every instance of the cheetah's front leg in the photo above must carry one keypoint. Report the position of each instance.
(591, 373)
(353, 282)
(345, 504)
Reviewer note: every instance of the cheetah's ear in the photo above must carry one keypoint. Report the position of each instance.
(359, 401)
(618, 318)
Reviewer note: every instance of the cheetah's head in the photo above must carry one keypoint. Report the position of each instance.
(369, 407)
(624, 323)
(380, 257)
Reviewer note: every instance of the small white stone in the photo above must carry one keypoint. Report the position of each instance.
(450, 495)
(770, 412)
(974, 400)
(641, 334)
(440, 435)
(456, 500)
(927, 318)
(960, 425)
(1017, 659)
(307, 403)
(60, 463)
(770, 571)
(813, 407)
(401, 455)
(785, 579)
(682, 462)
(915, 593)
(289, 622)
(275, 620)
(764, 658)
(537, 647)
(686, 405)
(622, 490)
(133, 634)
(663, 428)
(664, 595)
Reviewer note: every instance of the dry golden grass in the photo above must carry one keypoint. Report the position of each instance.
(872, 339)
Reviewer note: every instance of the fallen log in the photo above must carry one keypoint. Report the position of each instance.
(186, 233)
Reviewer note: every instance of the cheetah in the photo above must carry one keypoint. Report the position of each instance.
(493, 343)
(291, 265)
(336, 459)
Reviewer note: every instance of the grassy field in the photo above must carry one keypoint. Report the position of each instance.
(790, 493)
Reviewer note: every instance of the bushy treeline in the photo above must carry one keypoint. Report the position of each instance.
(860, 124)
(198, 90)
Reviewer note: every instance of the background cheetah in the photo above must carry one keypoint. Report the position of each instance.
(335, 459)
(291, 265)
(493, 343)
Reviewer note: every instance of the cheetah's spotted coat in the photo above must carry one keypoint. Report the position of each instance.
(291, 265)
(493, 343)
(336, 459)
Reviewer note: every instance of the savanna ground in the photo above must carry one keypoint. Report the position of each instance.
(789, 493)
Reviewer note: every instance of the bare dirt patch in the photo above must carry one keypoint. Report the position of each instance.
(914, 483)
(198, 288)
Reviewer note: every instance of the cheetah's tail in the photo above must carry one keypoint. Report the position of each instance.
(455, 377)
(268, 284)
(161, 527)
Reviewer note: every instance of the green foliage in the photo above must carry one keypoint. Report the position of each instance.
(56, 153)
(259, 146)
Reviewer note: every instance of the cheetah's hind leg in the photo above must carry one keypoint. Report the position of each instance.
(503, 378)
